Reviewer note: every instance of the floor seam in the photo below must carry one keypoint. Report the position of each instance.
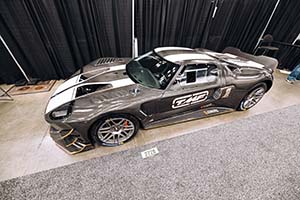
(45, 134)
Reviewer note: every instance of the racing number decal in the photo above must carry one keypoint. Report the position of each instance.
(189, 99)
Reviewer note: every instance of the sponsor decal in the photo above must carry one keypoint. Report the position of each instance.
(209, 112)
(227, 92)
(189, 99)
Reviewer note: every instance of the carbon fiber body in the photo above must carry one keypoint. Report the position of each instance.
(103, 88)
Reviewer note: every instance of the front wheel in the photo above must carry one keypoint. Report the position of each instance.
(253, 97)
(115, 130)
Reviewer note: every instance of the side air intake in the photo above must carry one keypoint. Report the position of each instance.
(86, 89)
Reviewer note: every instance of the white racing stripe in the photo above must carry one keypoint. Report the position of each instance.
(159, 49)
(230, 55)
(75, 80)
(122, 83)
(66, 92)
(60, 99)
(247, 63)
(188, 56)
(115, 84)
(117, 67)
(236, 60)
(69, 94)
(67, 84)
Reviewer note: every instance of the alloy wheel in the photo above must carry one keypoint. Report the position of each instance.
(115, 131)
(253, 98)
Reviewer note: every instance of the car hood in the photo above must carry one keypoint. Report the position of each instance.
(93, 81)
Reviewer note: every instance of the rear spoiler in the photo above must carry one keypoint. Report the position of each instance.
(268, 62)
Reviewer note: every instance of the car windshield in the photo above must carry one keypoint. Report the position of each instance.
(151, 70)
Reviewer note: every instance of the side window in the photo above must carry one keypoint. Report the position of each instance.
(198, 74)
(191, 77)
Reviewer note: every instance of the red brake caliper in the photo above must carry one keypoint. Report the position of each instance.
(125, 123)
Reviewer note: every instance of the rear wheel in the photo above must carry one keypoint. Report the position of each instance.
(115, 130)
(253, 97)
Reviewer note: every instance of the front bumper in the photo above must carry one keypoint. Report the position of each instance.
(69, 140)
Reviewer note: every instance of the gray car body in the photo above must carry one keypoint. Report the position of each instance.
(118, 94)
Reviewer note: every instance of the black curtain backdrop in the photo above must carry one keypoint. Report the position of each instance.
(53, 38)
(285, 24)
(239, 23)
(189, 23)
(172, 23)
(285, 27)
(289, 57)
(9, 72)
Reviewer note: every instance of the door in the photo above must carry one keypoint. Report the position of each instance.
(192, 89)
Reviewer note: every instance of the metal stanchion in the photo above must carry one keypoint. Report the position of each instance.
(263, 32)
(28, 79)
(132, 29)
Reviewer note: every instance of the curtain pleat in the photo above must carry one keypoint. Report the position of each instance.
(239, 23)
(172, 23)
(285, 27)
(285, 24)
(53, 38)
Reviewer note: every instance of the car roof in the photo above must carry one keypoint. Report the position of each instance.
(181, 54)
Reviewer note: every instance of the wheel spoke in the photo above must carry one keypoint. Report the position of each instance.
(105, 132)
(105, 138)
(113, 122)
(123, 134)
(118, 137)
(105, 128)
(246, 103)
(253, 98)
(128, 128)
(115, 139)
(121, 122)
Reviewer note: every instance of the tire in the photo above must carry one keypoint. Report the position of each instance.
(115, 129)
(253, 97)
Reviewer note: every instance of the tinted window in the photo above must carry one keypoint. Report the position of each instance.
(197, 74)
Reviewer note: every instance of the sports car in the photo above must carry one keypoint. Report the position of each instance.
(108, 100)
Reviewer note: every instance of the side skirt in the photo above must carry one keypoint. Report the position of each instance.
(198, 114)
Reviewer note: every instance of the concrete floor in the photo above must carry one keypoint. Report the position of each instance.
(26, 146)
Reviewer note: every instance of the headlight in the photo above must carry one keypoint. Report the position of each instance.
(59, 113)
(62, 111)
